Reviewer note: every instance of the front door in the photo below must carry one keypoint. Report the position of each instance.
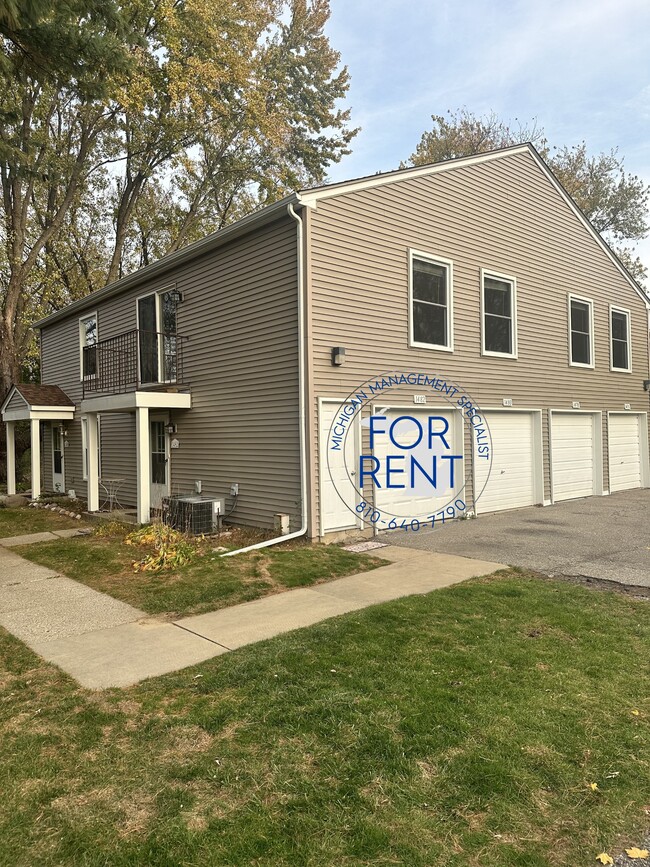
(58, 468)
(159, 463)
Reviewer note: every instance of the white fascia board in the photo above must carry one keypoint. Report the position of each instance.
(136, 400)
(311, 197)
(596, 235)
(50, 413)
(12, 391)
(192, 251)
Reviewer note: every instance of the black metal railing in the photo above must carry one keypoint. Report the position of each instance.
(132, 360)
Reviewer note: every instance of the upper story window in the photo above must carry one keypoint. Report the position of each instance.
(430, 286)
(88, 342)
(499, 315)
(581, 332)
(620, 343)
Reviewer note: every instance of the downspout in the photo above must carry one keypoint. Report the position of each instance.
(301, 404)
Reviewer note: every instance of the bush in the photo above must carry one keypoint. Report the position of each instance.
(171, 548)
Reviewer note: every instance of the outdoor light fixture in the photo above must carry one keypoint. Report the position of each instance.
(646, 384)
(175, 296)
(338, 355)
(171, 428)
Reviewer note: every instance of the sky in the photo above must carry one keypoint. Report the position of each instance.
(580, 68)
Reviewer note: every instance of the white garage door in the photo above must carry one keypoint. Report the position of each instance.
(510, 483)
(338, 497)
(420, 499)
(624, 452)
(573, 455)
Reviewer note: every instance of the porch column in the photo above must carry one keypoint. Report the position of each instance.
(35, 445)
(11, 458)
(143, 449)
(92, 448)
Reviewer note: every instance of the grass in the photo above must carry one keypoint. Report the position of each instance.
(207, 584)
(458, 729)
(20, 522)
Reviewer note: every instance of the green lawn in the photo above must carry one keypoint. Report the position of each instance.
(209, 583)
(20, 522)
(461, 728)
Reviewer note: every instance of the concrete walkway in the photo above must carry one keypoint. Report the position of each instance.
(47, 536)
(105, 643)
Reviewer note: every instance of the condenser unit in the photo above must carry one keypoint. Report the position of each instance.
(199, 516)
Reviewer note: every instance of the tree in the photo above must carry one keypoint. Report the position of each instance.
(615, 201)
(132, 127)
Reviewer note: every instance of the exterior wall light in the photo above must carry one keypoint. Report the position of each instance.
(175, 296)
(646, 384)
(338, 356)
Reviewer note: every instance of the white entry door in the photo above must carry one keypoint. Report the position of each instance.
(58, 461)
(338, 496)
(159, 462)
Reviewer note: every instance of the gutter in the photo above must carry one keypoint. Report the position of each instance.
(301, 400)
(210, 242)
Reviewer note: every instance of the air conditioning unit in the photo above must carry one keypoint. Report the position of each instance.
(199, 516)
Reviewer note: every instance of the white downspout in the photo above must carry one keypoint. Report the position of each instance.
(301, 404)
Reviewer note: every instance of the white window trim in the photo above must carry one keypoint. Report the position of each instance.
(592, 355)
(84, 447)
(613, 308)
(169, 287)
(513, 313)
(83, 344)
(449, 266)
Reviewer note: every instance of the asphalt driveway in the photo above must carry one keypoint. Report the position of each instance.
(596, 537)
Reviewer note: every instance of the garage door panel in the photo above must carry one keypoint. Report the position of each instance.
(421, 500)
(573, 455)
(625, 467)
(510, 482)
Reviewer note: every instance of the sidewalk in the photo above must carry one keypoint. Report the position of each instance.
(105, 643)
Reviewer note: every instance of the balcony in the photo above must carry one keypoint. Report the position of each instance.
(133, 361)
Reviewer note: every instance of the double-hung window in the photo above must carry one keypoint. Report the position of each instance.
(499, 315)
(620, 344)
(581, 332)
(88, 346)
(430, 302)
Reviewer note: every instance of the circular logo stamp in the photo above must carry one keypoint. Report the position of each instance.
(409, 471)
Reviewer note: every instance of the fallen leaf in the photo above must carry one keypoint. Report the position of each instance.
(604, 858)
(635, 713)
(634, 852)
(594, 787)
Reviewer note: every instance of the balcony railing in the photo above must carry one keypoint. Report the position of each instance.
(133, 360)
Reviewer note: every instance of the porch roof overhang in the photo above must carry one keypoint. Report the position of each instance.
(133, 400)
(40, 402)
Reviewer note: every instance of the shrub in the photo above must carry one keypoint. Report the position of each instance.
(171, 548)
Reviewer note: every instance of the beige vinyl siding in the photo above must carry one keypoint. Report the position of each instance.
(239, 315)
(503, 216)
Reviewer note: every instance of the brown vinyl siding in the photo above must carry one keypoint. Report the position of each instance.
(503, 216)
(239, 315)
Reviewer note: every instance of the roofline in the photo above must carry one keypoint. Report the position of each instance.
(10, 394)
(313, 196)
(310, 198)
(204, 245)
(588, 224)
(316, 194)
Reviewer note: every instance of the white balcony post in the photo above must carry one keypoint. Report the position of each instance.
(11, 457)
(92, 448)
(35, 445)
(143, 449)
